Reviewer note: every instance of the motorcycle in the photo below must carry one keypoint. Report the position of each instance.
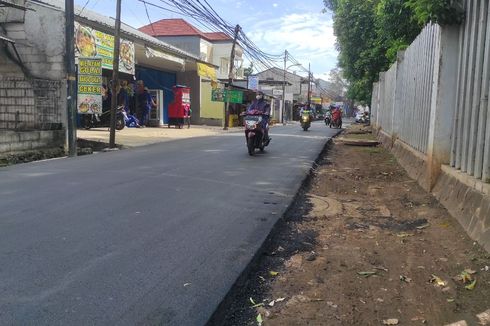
(104, 120)
(328, 118)
(336, 120)
(255, 132)
(362, 118)
(305, 120)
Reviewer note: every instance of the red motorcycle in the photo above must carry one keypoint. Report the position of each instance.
(255, 132)
(336, 120)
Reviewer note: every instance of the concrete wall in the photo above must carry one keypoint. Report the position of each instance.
(402, 97)
(471, 129)
(439, 115)
(20, 141)
(213, 112)
(278, 74)
(32, 91)
(223, 51)
(191, 44)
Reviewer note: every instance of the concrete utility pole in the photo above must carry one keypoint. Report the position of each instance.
(115, 78)
(284, 88)
(71, 71)
(230, 77)
(309, 85)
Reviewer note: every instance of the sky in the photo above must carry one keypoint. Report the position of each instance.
(273, 25)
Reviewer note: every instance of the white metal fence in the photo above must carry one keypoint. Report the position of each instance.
(470, 150)
(402, 98)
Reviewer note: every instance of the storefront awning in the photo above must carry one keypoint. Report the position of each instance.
(152, 53)
(206, 71)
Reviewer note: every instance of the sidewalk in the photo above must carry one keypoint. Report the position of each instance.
(133, 137)
(364, 245)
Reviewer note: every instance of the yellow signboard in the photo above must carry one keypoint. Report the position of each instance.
(89, 85)
(92, 43)
(206, 71)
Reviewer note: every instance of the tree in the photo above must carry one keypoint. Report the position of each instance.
(443, 12)
(370, 33)
(337, 84)
(249, 71)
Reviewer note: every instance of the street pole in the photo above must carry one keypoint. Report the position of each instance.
(230, 77)
(115, 79)
(309, 85)
(71, 71)
(284, 88)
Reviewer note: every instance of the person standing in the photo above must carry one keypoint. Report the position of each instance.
(187, 114)
(141, 101)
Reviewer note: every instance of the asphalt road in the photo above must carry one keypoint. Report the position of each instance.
(153, 235)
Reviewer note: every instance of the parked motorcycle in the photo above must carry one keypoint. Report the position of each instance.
(362, 118)
(305, 120)
(255, 132)
(104, 119)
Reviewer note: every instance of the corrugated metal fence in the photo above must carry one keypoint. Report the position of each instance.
(402, 98)
(470, 150)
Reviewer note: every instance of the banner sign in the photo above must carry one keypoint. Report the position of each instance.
(89, 85)
(253, 83)
(224, 95)
(92, 43)
(206, 71)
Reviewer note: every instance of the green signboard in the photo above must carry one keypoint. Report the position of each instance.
(220, 95)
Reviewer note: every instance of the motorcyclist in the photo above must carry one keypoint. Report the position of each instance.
(260, 104)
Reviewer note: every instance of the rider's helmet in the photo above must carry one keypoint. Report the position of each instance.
(260, 95)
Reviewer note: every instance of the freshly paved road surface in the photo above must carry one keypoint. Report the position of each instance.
(153, 235)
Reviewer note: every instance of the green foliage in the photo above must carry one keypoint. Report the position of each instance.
(249, 71)
(370, 33)
(443, 12)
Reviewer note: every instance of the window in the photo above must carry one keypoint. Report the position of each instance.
(224, 68)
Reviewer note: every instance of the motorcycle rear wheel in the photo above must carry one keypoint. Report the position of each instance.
(87, 121)
(120, 124)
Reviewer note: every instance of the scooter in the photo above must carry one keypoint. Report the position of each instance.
(328, 118)
(104, 119)
(254, 131)
(305, 120)
(336, 121)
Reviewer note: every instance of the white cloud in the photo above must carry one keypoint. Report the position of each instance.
(309, 37)
(274, 5)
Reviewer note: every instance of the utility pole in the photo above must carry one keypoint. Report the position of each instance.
(309, 86)
(71, 71)
(230, 77)
(284, 87)
(115, 79)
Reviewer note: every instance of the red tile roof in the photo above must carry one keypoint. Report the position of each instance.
(217, 36)
(179, 27)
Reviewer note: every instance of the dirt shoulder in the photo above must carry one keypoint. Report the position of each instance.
(363, 245)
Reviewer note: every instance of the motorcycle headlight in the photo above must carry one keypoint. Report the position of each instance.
(251, 123)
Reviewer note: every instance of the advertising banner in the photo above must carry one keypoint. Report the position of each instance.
(253, 83)
(224, 95)
(206, 71)
(91, 43)
(89, 85)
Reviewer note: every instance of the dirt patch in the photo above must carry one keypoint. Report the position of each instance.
(30, 156)
(364, 244)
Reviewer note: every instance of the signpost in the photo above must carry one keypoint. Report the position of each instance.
(89, 86)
